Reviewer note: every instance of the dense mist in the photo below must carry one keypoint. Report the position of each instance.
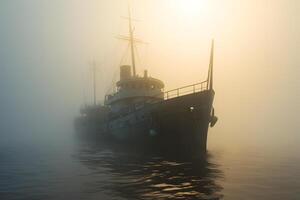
(46, 48)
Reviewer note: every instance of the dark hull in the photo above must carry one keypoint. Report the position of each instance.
(176, 124)
(183, 121)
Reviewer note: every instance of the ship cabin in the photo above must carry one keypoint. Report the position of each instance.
(133, 91)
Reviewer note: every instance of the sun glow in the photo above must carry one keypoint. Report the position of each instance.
(191, 8)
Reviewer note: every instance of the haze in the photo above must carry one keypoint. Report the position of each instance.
(46, 47)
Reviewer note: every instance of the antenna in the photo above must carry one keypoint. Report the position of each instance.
(84, 88)
(210, 70)
(131, 40)
(94, 69)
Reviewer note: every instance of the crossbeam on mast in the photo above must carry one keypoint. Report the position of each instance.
(136, 20)
(135, 40)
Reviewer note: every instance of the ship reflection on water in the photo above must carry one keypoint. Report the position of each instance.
(147, 175)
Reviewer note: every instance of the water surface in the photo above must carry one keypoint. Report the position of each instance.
(73, 169)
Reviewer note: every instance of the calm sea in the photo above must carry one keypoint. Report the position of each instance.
(67, 168)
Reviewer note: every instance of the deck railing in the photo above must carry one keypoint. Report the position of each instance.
(190, 89)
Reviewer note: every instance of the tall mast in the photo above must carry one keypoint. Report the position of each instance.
(94, 82)
(131, 41)
(210, 70)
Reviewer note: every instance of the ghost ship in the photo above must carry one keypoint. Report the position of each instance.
(141, 113)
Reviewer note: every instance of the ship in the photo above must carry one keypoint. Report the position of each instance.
(141, 113)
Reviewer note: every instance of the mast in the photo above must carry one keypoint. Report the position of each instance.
(210, 70)
(131, 41)
(94, 82)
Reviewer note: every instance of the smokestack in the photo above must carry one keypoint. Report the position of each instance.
(145, 74)
(125, 72)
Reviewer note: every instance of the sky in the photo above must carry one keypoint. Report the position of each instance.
(47, 45)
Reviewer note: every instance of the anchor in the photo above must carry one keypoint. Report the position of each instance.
(213, 118)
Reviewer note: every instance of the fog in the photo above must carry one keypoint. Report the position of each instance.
(46, 47)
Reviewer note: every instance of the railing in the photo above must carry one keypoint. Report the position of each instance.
(190, 89)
